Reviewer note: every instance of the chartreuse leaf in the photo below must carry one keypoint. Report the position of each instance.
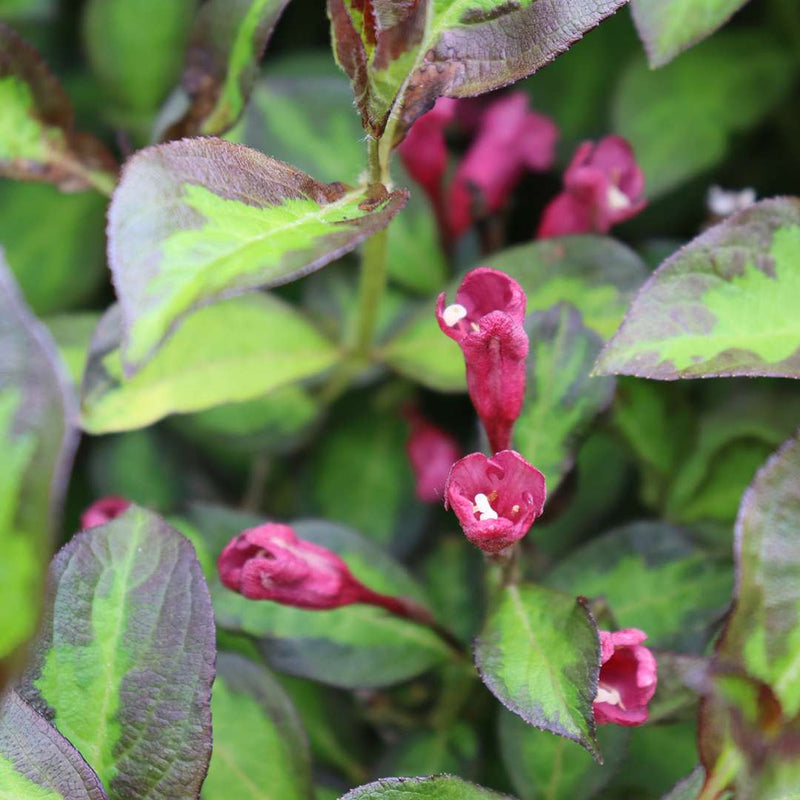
(439, 787)
(652, 577)
(696, 89)
(669, 26)
(561, 399)
(73, 334)
(37, 140)
(595, 274)
(36, 761)
(37, 440)
(724, 305)
(58, 263)
(301, 113)
(401, 58)
(260, 749)
(225, 45)
(545, 767)
(351, 647)
(232, 351)
(125, 660)
(538, 654)
(201, 219)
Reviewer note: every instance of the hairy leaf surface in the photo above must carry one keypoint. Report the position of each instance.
(439, 787)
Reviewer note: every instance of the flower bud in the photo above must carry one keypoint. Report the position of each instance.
(431, 452)
(495, 499)
(627, 681)
(103, 510)
(269, 562)
(487, 322)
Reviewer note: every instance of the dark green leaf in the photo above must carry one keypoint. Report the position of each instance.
(546, 767)
(352, 647)
(689, 788)
(446, 750)
(201, 219)
(37, 139)
(37, 440)
(595, 274)
(226, 43)
(539, 655)
(680, 119)
(668, 27)
(260, 749)
(653, 578)
(724, 305)
(561, 399)
(228, 352)
(440, 787)
(36, 761)
(125, 660)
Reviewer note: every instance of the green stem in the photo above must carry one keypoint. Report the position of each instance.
(103, 182)
(723, 774)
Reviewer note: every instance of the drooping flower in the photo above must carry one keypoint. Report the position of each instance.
(507, 138)
(103, 510)
(603, 186)
(628, 678)
(431, 452)
(495, 499)
(486, 321)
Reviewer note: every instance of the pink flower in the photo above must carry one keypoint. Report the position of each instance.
(103, 510)
(270, 563)
(431, 452)
(508, 139)
(487, 322)
(495, 499)
(603, 186)
(628, 677)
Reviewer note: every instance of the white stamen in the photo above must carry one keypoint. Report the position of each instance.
(617, 199)
(454, 314)
(483, 508)
(608, 695)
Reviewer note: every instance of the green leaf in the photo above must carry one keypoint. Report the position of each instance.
(545, 767)
(667, 27)
(301, 113)
(260, 749)
(125, 660)
(595, 274)
(226, 43)
(762, 635)
(539, 656)
(401, 58)
(201, 219)
(680, 119)
(37, 441)
(228, 352)
(724, 305)
(439, 787)
(36, 761)
(431, 752)
(37, 139)
(355, 646)
(54, 243)
(561, 399)
(136, 51)
(689, 788)
(26, 9)
(73, 334)
(652, 577)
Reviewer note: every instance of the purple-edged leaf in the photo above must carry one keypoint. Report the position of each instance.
(260, 748)
(726, 304)
(401, 56)
(198, 220)
(689, 788)
(667, 27)
(539, 655)
(439, 787)
(561, 399)
(37, 139)
(125, 660)
(37, 762)
(37, 441)
(227, 40)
